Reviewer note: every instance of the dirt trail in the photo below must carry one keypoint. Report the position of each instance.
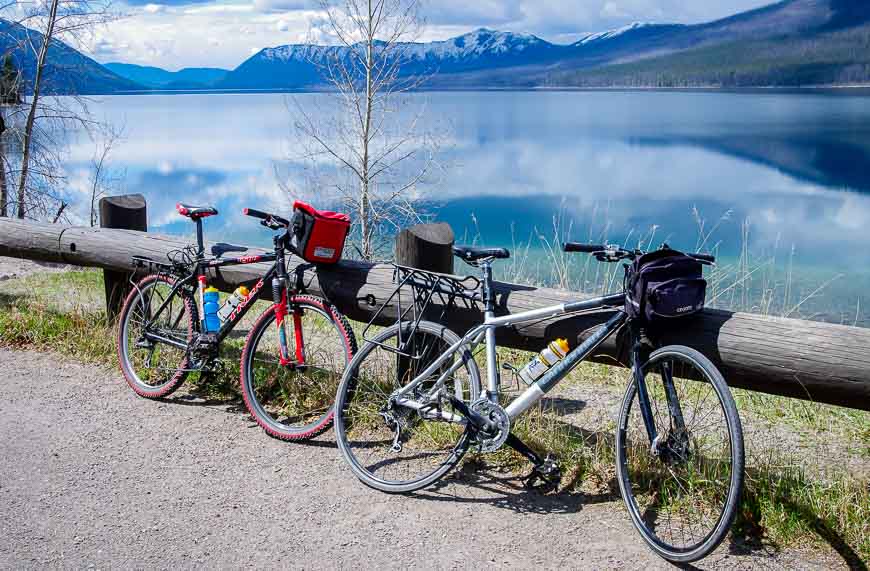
(93, 475)
(11, 268)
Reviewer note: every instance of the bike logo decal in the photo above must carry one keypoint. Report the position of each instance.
(253, 294)
(249, 259)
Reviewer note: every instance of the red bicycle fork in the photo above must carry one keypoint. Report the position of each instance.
(283, 348)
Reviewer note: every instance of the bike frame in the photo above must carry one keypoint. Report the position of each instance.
(486, 332)
(277, 274)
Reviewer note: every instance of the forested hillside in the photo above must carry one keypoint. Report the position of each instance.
(840, 57)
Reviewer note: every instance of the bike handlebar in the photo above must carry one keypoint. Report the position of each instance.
(270, 220)
(614, 253)
(584, 248)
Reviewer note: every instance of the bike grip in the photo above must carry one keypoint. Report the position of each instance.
(703, 257)
(586, 248)
(255, 213)
(281, 220)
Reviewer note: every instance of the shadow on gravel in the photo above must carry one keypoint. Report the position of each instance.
(564, 406)
(235, 406)
(747, 541)
(474, 484)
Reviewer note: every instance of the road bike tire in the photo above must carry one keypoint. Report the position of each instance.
(361, 405)
(135, 355)
(273, 393)
(686, 479)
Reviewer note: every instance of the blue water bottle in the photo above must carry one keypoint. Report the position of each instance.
(211, 306)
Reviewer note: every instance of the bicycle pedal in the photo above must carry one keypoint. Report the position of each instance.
(545, 477)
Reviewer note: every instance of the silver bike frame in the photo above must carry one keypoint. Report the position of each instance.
(486, 331)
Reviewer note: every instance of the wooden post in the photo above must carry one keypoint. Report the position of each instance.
(427, 247)
(127, 212)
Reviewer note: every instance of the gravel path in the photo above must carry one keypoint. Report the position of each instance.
(91, 475)
(11, 268)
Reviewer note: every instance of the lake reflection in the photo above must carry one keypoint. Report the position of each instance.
(796, 166)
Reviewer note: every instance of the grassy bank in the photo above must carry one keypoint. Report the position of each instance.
(807, 478)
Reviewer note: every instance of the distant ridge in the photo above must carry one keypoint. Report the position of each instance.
(791, 43)
(68, 70)
(761, 47)
(158, 78)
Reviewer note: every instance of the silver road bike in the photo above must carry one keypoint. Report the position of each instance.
(411, 404)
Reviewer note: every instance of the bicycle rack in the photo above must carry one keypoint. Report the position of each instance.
(446, 291)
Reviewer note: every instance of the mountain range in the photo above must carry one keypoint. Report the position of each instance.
(157, 78)
(789, 43)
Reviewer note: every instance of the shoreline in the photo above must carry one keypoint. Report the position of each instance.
(845, 89)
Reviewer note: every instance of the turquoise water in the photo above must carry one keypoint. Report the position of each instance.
(784, 175)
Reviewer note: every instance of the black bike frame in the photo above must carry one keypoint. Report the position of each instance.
(277, 274)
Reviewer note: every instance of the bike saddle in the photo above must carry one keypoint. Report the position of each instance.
(222, 248)
(472, 253)
(195, 212)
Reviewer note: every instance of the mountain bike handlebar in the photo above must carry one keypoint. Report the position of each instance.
(272, 221)
(612, 253)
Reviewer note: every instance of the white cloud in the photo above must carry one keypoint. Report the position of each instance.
(153, 8)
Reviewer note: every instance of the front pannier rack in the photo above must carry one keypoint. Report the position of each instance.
(428, 290)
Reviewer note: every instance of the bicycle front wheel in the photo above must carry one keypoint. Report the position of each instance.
(293, 400)
(683, 489)
(396, 447)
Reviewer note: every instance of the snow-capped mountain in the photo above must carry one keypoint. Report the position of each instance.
(298, 65)
(487, 58)
(611, 34)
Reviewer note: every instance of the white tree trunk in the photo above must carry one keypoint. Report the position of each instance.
(34, 106)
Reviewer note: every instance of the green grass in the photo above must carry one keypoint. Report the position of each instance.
(55, 312)
(784, 503)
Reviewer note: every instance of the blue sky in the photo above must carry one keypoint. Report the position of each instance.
(223, 33)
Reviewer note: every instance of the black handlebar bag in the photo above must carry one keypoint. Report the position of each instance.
(664, 285)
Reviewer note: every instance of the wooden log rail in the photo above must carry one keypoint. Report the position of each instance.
(803, 359)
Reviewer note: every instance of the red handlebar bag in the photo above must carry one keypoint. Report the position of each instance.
(320, 234)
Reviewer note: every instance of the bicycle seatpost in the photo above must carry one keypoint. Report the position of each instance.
(200, 245)
(488, 294)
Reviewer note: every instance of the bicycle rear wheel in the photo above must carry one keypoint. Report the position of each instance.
(683, 491)
(154, 368)
(395, 448)
(294, 401)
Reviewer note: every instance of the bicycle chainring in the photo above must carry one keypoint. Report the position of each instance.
(490, 442)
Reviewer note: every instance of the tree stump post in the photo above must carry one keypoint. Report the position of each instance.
(426, 247)
(126, 212)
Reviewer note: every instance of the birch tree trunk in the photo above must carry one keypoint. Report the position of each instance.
(4, 191)
(34, 106)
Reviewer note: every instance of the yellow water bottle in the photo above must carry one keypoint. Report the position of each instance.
(552, 354)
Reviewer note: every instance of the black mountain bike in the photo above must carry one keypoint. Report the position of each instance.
(410, 405)
(293, 356)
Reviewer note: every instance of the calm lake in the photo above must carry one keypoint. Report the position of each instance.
(784, 179)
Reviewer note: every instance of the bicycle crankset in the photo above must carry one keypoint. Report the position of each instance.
(490, 441)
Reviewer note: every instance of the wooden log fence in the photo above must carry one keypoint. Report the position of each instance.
(808, 360)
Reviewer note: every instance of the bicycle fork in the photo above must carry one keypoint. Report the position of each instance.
(678, 424)
(282, 310)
